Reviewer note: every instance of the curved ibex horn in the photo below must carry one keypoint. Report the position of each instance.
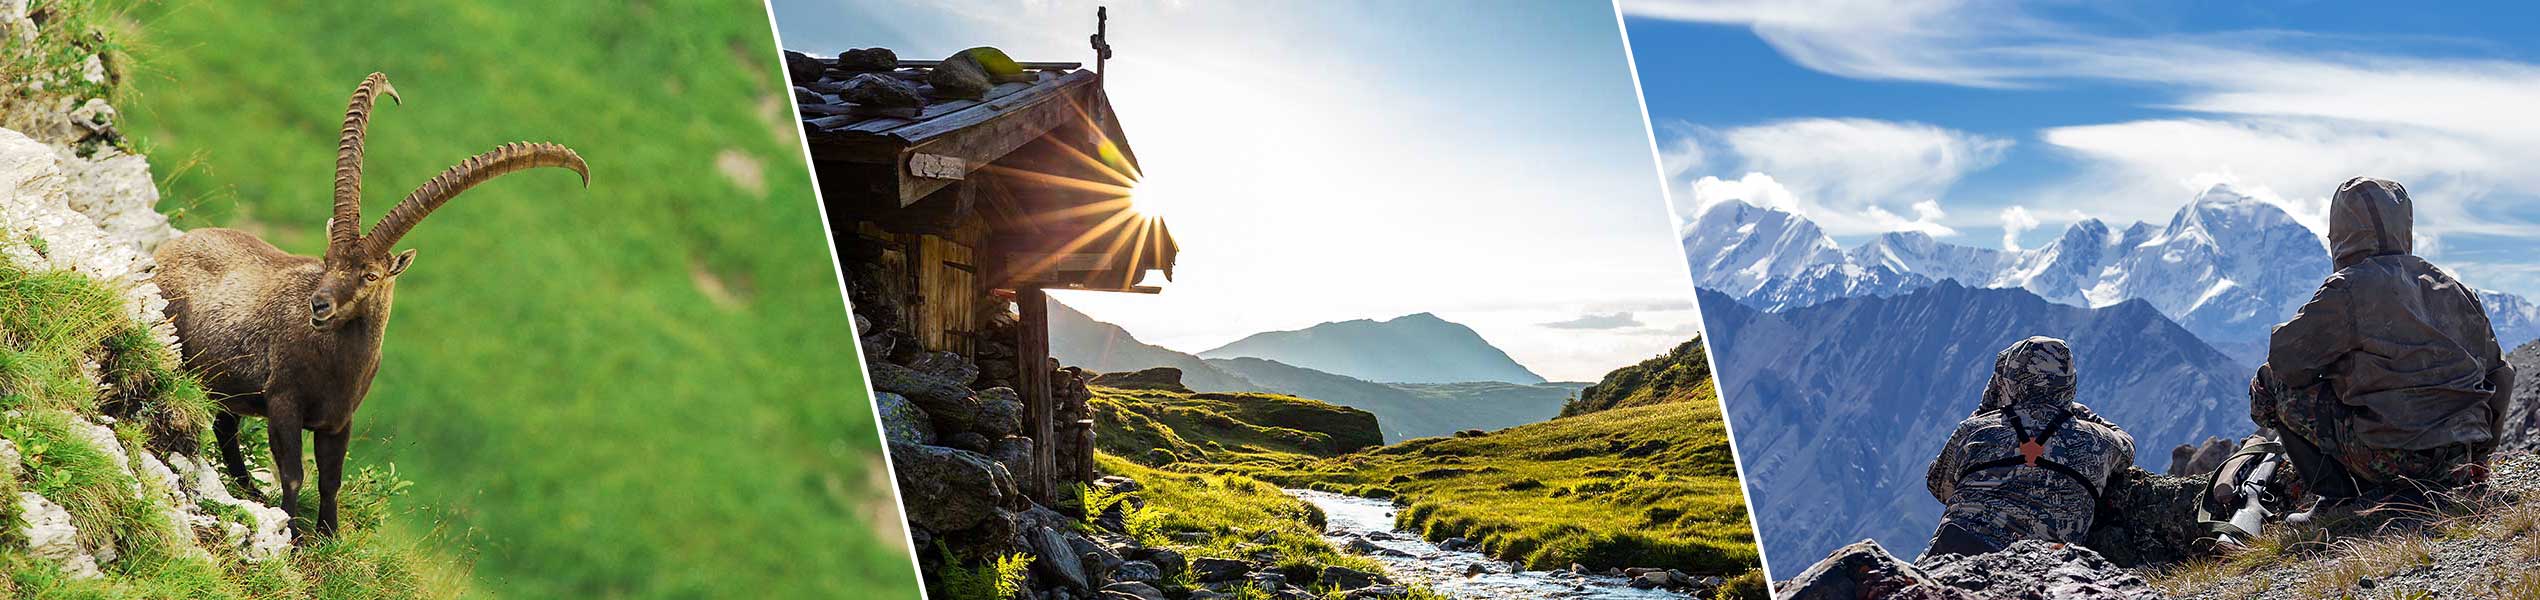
(515, 156)
(345, 228)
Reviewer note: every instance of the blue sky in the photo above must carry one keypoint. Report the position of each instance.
(1973, 119)
(1486, 161)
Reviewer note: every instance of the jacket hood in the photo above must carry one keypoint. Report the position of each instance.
(2037, 371)
(2369, 217)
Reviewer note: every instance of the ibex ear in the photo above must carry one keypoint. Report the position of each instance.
(399, 264)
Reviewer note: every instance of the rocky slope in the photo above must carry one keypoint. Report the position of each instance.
(1841, 405)
(2522, 416)
(1418, 348)
(2226, 266)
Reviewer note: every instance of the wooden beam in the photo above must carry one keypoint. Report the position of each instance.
(937, 166)
(1032, 350)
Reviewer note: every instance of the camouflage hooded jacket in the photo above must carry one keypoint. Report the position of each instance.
(2402, 342)
(2033, 386)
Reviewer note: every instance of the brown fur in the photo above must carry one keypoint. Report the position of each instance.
(296, 339)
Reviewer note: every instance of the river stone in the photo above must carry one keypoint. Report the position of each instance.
(1000, 411)
(1380, 592)
(1135, 589)
(1208, 570)
(960, 488)
(1345, 579)
(1267, 581)
(903, 422)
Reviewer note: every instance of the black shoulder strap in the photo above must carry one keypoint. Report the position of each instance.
(2012, 418)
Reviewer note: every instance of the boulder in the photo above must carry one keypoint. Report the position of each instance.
(2039, 569)
(1652, 579)
(1015, 452)
(1132, 589)
(873, 90)
(948, 366)
(1267, 581)
(960, 488)
(1860, 570)
(902, 421)
(1170, 562)
(2151, 519)
(2200, 459)
(861, 60)
(802, 68)
(1054, 558)
(1210, 570)
(959, 76)
(1000, 411)
(1138, 570)
(1159, 378)
(928, 390)
(971, 441)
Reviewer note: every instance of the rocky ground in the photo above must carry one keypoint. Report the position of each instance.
(73, 200)
(2470, 545)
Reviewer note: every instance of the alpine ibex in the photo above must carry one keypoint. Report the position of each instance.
(296, 339)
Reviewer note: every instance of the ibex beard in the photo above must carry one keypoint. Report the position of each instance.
(296, 339)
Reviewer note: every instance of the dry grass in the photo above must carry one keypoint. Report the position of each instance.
(2358, 559)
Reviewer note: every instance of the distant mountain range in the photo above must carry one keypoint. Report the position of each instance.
(1839, 406)
(1420, 348)
(1403, 410)
(2227, 267)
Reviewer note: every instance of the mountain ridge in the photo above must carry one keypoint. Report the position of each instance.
(1403, 410)
(1413, 348)
(2226, 266)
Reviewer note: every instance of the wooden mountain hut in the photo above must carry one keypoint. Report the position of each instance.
(975, 202)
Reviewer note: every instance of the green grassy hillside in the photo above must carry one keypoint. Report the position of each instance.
(1226, 429)
(646, 388)
(1682, 374)
(1634, 487)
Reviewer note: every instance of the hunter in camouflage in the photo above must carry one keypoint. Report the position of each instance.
(2030, 463)
(2390, 378)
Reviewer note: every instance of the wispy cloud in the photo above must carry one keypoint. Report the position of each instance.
(1849, 175)
(2290, 111)
(1618, 320)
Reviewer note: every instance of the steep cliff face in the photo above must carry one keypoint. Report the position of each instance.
(1840, 406)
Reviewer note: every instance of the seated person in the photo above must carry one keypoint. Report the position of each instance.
(2030, 463)
(2389, 381)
